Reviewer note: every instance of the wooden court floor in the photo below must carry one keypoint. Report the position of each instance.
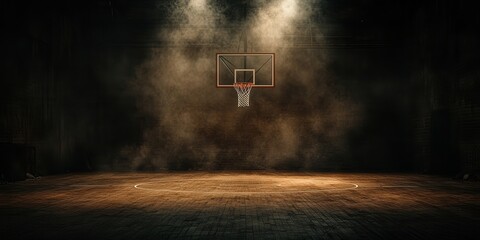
(240, 205)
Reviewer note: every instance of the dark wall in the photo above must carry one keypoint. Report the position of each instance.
(445, 86)
(67, 68)
(63, 86)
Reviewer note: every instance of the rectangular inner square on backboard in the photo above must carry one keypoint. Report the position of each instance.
(244, 75)
(262, 63)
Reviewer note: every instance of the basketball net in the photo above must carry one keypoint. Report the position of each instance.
(243, 90)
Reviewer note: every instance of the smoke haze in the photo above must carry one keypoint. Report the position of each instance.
(299, 124)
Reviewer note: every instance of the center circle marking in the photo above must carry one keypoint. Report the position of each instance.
(245, 186)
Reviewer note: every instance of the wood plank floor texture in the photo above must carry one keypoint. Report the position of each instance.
(240, 205)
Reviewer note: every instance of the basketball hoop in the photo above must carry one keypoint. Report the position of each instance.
(244, 71)
(243, 90)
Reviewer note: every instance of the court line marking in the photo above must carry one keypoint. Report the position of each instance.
(138, 186)
(90, 185)
(400, 186)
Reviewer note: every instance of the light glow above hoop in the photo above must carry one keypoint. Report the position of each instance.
(198, 4)
(289, 8)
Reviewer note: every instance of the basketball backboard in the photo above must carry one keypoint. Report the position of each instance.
(257, 68)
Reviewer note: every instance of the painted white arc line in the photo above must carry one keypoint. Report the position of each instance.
(138, 186)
